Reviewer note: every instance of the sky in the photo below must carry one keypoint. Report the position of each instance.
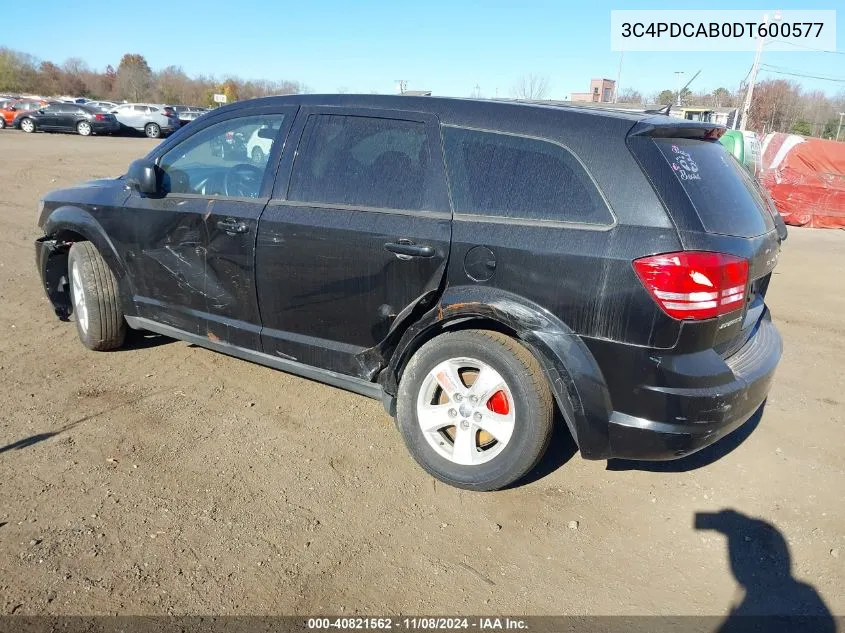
(447, 46)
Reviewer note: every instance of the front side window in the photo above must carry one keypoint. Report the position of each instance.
(228, 158)
(508, 176)
(362, 161)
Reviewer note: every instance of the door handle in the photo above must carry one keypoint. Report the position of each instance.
(232, 226)
(406, 249)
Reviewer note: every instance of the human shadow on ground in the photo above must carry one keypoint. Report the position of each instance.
(760, 560)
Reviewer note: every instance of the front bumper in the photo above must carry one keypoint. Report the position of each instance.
(696, 416)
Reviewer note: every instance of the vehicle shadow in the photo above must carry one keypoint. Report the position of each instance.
(561, 449)
(761, 563)
(704, 457)
(141, 339)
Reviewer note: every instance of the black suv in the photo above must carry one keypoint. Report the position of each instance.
(473, 264)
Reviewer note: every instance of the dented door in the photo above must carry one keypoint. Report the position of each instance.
(194, 247)
(168, 259)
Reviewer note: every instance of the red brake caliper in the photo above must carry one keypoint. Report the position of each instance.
(498, 403)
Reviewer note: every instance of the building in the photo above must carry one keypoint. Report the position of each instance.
(601, 91)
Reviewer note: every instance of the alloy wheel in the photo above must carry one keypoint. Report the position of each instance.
(466, 412)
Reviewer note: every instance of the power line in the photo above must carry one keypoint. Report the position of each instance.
(769, 69)
(812, 48)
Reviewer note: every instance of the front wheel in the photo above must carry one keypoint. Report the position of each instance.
(2, 122)
(28, 125)
(95, 298)
(83, 128)
(152, 130)
(475, 409)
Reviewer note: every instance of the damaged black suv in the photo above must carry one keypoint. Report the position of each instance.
(474, 265)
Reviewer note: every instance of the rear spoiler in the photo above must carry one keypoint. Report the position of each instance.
(667, 127)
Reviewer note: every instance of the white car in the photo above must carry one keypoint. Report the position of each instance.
(259, 143)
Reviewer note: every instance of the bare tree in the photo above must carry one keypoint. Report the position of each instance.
(134, 77)
(531, 86)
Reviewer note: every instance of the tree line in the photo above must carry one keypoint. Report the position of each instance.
(133, 80)
(777, 106)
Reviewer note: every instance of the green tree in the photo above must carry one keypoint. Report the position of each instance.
(722, 97)
(802, 127)
(666, 97)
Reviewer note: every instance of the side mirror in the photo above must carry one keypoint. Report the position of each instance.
(40, 110)
(12, 108)
(142, 176)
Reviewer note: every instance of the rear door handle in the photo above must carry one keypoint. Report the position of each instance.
(406, 249)
(232, 226)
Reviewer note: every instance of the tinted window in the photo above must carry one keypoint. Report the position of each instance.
(228, 158)
(139, 108)
(518, 177)
(59, 107)
(724, 195)
(362, 161)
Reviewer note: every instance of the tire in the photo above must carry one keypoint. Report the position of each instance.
(257, 155)
(2, 123)
(95, 299)
(28, 125)
(523, 422)
(152, 130)
(83, 128)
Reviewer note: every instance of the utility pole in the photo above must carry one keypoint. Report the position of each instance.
(752, 79)
(618, 77)
(840, 125)
(678, 74)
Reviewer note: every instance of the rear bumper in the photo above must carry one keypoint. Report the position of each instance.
(696, 416)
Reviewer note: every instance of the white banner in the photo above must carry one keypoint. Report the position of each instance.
(711, 30)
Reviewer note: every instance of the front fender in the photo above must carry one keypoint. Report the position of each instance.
(73, 219)
(573, 374)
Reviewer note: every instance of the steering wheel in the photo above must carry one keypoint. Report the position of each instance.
(243, 181)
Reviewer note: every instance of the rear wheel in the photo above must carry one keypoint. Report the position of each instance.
(27, 125)
(95, 298)
(152, 130)
(2, 123)
(83, 128)
(474, 409)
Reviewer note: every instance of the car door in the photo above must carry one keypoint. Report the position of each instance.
(359, 235)
(195, 242)
(50, 119)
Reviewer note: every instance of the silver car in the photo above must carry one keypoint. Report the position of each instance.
(154, 120)
(105, 106)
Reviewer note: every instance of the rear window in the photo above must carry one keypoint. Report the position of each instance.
(725, 197)
(510, 176)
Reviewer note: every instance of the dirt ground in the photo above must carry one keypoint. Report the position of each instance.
(165, 478)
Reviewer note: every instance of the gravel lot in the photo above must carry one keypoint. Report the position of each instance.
(165, 478)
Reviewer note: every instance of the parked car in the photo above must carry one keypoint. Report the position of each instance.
(154, 120)
(610, 265)
(13, 109)
(187, 114)
(105, 106)
(68, 117)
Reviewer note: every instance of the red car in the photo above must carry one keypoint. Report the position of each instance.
(11, 109)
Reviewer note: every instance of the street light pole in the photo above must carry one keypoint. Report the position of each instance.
(678, 74)
(840, 125)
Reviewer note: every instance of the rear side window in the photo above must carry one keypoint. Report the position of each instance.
(726, 199)
(362, 161)
(504, 175)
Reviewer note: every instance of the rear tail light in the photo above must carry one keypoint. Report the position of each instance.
(694, 284)
(99, 117)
